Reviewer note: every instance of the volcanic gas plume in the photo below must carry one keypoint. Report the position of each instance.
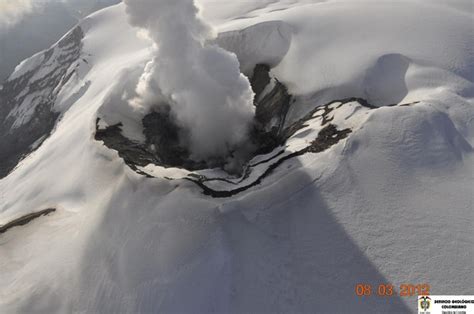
(210, 99)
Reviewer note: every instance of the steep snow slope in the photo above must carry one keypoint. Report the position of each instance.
(390, 203)
(27, 27)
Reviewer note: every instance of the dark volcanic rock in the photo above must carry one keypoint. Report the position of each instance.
(25, 219)
(260, 79)
(162, 139)
(133, 154)
(270, 112)
(271, 108)
(162, 146)
(16, 142)
(327, 137)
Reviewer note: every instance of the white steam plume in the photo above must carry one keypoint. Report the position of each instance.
(209, 96)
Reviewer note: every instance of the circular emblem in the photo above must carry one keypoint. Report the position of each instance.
(425, 303)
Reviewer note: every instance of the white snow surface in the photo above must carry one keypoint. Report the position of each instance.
(391, 204)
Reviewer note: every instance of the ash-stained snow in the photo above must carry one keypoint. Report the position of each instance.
(392, 202)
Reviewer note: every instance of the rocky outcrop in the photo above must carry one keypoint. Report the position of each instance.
(269, 135)
(271, 107)
(27, 99)
(163, 141)
(163, 147)
(275, 140)
(134, 154)
(327, 137)
(25, 219)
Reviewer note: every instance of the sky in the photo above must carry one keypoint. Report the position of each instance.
(12, 11)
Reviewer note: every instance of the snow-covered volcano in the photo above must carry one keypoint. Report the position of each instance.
(361, 169)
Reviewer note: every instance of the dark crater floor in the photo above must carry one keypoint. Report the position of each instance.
(272, 103)
(162, 146)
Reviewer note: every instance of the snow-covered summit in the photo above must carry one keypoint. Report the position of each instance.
(372, 183)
